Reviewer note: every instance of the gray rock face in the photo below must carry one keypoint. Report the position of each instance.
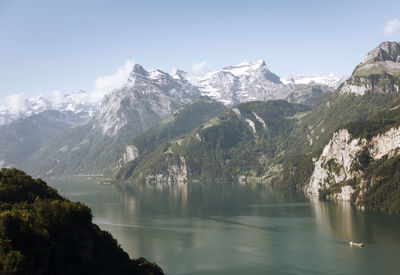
(148, 97)
(386, 51)
(379, 72)
(242, 83)
(254, 81)
(96, 147)
(334, 165)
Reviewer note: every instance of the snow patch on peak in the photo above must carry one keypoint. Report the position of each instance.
(331, 80)
(243, 63)
(244, 68)
(17, 106)
(241, 83)
(156, 74)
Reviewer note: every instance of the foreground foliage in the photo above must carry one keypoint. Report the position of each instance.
(44, 233)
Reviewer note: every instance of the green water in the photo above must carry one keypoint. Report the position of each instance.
(240, 229)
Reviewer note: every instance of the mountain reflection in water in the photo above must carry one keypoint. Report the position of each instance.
(226, 228)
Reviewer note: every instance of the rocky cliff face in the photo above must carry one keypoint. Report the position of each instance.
(379, 72)
(342, 160)
(130, 154)
(386, 51)
(174, 173)
(334, 164)
(148, 97)
(99, 146)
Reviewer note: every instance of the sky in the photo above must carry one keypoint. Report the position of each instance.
(49, 47)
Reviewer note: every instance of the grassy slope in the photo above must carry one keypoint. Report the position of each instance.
(21, 138)
(180, 123)
(225, 146)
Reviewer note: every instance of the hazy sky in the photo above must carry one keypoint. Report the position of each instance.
(66, 45)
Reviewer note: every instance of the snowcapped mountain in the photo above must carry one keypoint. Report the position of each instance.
(241, 83)
(17, 106)
(331, 80)
(147, 97)
(254, 81)
(231, 85)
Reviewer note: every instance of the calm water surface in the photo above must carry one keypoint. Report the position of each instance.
(240, 229)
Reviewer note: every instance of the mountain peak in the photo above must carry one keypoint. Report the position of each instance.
(179, 74)
(246, 65)
(243, 63)
(383, 62)
(260, 62)
(139, 70)
(386, 51)
(331, 80)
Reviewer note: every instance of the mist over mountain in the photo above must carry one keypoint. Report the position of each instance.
(95, 147)
(231, 85)
(17, 106)
(24, 136)
(112, 143)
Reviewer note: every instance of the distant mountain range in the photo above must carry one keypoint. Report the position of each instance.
(241, 123)
(331, 80)
(96, 146)
(231, 85)
(254, 81)
(16, 106)
(148, 97)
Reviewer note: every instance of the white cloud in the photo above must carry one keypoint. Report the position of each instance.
(15, 103)
(57, 97)
(105, 84)
(173, 71)
(198, 68)
(19, 103)
(392, 26)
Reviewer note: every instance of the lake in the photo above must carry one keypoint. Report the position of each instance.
(240, 229)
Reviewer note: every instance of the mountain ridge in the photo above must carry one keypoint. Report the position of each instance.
(95, 147)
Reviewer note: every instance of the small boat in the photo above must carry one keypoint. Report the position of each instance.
(356, 244)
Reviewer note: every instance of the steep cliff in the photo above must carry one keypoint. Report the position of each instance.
(97, 146)
(360, 164)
